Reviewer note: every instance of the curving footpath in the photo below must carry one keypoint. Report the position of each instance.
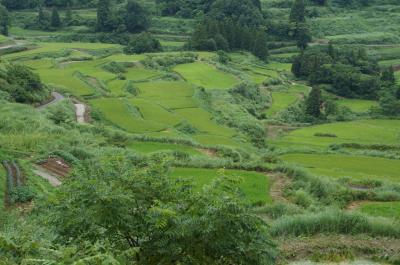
(57, 97)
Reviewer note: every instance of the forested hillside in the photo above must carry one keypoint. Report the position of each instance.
(194, 132)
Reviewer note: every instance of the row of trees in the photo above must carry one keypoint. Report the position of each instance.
(29, 4)
(50, 20)
(131, 18)
(349, 72)
(212, 35)
(190, 9)
(231, 25)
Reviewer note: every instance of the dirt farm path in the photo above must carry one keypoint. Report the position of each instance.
(55, 182)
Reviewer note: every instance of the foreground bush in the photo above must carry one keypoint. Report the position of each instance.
(139, 211)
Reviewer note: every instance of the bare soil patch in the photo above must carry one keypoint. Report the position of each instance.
(57, 166)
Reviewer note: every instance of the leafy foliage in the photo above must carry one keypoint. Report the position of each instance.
(139, 210)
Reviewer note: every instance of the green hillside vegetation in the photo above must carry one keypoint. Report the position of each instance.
(219, 132)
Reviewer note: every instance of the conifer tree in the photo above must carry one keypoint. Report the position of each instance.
(103, 15)
(68, 15)
(55, 21)
(136, 19)
(260, 45)
(4, 20)
(298, 12)
(313, 102)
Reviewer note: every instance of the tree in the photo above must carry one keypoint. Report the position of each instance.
(43, 19)
(389, 103)
(313, 103)
(298, 12)
(153, 220)
(302, 36)
(68, 16)
(55, 20)
(142, 43)
(103, 16)
(260, 48)
(136, 19)
(4, 20)
(387, 76)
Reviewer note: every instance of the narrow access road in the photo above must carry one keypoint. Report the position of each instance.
(47, 176)
(57, 97)
(80, 110)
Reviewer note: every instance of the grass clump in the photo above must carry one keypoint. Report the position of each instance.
(333, 222)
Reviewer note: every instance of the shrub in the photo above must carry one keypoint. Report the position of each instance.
(333, 221)
(22, 194)
(141, 43)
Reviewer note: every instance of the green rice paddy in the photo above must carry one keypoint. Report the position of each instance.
(361, 131)
(357, 105)
(255, 185)
(205, 75)
(338, 166)
(382, 209)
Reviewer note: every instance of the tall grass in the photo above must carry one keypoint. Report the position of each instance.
(334, 221)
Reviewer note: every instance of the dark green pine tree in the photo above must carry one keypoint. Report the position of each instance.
(313, 102)
(103, 16)
(298, 12)
(388, 77)
(42, 19)
(68, 16)
(136, 19)
(4, 20)
(302, 36)
(55, 21)
(260, 48)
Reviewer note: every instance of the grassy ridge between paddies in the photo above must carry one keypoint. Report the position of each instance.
(363, 132)
(338, 165)
(151, 147)
(382, 209)
(205, 75)
(256, 186)
(3, 183)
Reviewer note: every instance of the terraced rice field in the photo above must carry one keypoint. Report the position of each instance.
(338, 166)
(357, 105)
(382, 209)
(255, 185)
(122, 114)
(284, 98)
(205, 75)
(361, 131)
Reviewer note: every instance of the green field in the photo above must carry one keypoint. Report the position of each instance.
(170, 95)
(361, 131)
(122, 114)
(206, 75)
(54, 47)
(151, 147)
(202, 120)
(357, 105)
(382, 209)
(282, 99)
(255, 185)
(338, 165)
